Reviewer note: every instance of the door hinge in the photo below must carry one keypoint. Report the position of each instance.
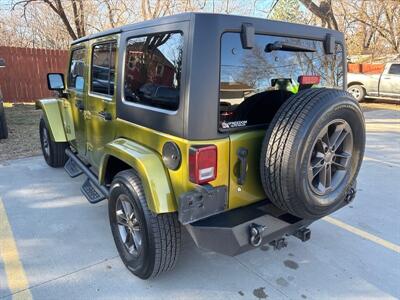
(67, 128)
(89, 147)
(87, 114)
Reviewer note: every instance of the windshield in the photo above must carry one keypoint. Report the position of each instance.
(255, 82)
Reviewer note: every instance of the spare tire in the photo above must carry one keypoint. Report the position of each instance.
(312, 152)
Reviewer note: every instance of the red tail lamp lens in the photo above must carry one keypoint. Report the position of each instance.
(309, 79)
(202, 163)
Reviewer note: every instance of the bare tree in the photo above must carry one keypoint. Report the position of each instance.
(383, 20)
(323, 11)
(78, 16)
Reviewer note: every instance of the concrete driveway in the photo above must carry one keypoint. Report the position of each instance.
(55, 245)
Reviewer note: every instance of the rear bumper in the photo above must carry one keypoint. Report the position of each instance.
(230, 232)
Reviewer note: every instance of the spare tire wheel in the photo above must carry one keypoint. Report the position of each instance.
(312, 152)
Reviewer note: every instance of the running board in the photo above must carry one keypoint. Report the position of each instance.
(91, 189)
(91, 193)
(242, 229)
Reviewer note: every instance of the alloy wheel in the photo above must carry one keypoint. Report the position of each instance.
(128, 225)
(45, 140)
(330, 158)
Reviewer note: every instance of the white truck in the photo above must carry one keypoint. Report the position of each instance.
(382, 86)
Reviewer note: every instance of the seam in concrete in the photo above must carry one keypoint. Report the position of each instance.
(381, 161)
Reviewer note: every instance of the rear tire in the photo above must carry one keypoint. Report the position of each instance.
(53, 152)
(317, 130)
(357, 91)
(3, 123)
(148, 244)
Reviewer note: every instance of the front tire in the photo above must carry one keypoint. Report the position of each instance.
(148, 244)
(53, 152)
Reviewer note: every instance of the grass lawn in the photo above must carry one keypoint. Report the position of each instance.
(23, 132)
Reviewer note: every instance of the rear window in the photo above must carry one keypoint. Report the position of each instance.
(255, 82)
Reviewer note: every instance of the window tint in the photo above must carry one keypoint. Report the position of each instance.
(394, 69)
(153, 67)
(103, 68)
(76, 70)
(255, 82)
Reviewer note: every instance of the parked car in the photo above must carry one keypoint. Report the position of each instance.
(383, 86)
(3, 123)
(162, 146)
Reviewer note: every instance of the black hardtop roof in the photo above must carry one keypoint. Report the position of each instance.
(190, 16)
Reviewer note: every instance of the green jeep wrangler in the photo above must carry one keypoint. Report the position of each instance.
(237, 128)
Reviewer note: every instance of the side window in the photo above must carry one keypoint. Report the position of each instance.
(153, 66)
(394, 69)
(103, 68)
(76, 79)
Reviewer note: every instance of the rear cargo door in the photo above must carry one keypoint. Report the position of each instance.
(244, 181)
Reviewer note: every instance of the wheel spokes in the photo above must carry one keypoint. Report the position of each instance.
(338, 137)
(129, 226)
(121, 218)
(330, 157)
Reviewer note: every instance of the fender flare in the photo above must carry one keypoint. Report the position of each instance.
(53, 118)
(150, 168)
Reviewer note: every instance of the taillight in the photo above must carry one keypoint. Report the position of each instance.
(309, 79)
(202, 163)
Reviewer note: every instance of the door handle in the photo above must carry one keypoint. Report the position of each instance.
(105, 115)
(242, 155)
(79, 105)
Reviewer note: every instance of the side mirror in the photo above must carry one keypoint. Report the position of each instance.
(55, 82)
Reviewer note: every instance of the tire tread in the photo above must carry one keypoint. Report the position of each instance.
(165, 229)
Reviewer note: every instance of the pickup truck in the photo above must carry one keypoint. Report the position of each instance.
(382, 86)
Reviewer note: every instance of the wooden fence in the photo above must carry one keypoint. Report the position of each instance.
(23, 79)
(365, 68)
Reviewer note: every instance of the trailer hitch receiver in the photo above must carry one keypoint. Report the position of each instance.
(303, 234)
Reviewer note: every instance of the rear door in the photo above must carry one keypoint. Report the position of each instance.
(100, 103)
(389, 85)
(254, 83)
(74, 104)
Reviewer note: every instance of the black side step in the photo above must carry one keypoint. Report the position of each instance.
(91, 189)
(72, 168)
(242, 229)
(91, 193)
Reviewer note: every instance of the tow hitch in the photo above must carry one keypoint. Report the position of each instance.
(303, 234)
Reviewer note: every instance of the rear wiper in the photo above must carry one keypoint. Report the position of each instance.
(279, 46)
